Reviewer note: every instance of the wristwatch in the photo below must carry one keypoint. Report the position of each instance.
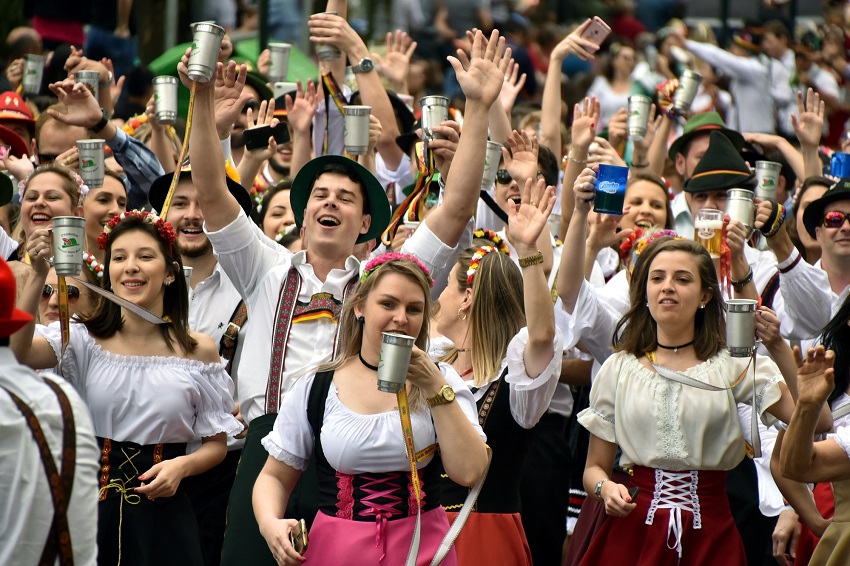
(104, 120)
(597, 491)
(364, 66)
(446, 395)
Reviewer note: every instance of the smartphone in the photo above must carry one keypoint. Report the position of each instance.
(633, 493)
(281, 133)
(597, 31)
(298, 537)
(4, 151)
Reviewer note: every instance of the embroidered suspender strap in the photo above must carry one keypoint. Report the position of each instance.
(64, 318)
(484, 411)
(332, 92)
(230, 338)
(59, 539)
(283, 324)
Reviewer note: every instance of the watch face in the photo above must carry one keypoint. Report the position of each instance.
(449, 394)
(366, 65)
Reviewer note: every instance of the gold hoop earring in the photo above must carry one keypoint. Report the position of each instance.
(461, 314)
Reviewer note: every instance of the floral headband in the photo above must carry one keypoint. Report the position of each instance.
(476, 261)
(641, 244)
(384, 258)
(166, 231)
(484, 234)
(84, 189)
(627, 244)
(93, 264)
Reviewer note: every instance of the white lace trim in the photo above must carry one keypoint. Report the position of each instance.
(282, 455)
(602, 415)
(671, 441)
(675, 491)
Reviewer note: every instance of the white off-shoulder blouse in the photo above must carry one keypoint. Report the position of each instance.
(146, 399)
(659, 423)
(354, 443)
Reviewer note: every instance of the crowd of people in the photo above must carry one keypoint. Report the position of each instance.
(583, 388)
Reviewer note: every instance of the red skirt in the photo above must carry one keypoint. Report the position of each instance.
(825, 501)
(491, 539)
(340, 542)
(630, 540)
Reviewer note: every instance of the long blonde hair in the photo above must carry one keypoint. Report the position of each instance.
(497, 313)
(351, 330)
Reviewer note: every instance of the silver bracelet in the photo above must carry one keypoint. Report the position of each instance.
(576, 161)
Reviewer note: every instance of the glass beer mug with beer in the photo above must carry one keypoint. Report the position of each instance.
(708, 229)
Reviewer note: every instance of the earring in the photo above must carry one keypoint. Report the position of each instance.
(647, 303)
(461, 314)
(168, 282)
(702, 305)
(362, 320)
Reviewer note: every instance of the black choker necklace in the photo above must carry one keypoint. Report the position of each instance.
(674, 348)
(375, 368)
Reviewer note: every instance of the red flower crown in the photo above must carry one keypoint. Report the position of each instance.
(166, 231)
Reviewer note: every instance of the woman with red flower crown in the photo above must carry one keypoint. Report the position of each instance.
(150, 388)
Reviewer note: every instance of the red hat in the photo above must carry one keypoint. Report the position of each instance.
(16, 142)
(13, 107)
(11, 319)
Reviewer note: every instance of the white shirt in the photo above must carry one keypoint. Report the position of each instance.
(335, 126)
(7, 243)
(212, 303)
(258, 272)
(354, 443)
(146, 399)
(26, 506)
(402, 176)
(609, 101)
(682, 217)
(805, 301)
(653, 419)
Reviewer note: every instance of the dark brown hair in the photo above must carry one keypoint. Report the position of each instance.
(655, 180)
(636, 332)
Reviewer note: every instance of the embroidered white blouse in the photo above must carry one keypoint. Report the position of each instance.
(146, 399)
(663, 424)
(354, 443)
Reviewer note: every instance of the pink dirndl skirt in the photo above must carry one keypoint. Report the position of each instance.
(341, 542)
(707, 535)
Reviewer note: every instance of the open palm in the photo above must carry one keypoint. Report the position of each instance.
(808, 122)
(815, 375)
(527, 220)
(481, 75)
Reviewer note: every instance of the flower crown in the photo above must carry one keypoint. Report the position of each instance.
(627, 244)
(485, 234)
(641, 244)
(166, 231)
(476, 261)
(384, 258)
(84, 189)
(93, 264)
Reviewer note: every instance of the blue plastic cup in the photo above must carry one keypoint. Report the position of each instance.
(610, 189)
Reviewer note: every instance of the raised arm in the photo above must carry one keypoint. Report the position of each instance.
(251, 161)
(299, 114)
(585, 122)
(808, 126)
(570, 278)
(481, 79)
(525, 224)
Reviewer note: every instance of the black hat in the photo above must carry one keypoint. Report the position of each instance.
(721, 168)
(376, 198)
(7, 189)
(160, 186)
(402, 112)
(258, 81)
(813, 215)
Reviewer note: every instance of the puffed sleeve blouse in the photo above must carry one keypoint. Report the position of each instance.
(659, 423)
(146, 399)
(354, 443)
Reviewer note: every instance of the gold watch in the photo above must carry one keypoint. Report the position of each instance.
(446, 395)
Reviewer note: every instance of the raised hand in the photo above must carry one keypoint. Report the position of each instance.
(585, 121)
(265, 117)
(767, 326)
(736, 237)
(521, 161)
(395, 65)
(230, 96)
(15, 73)
(482, 75)
(512, 86)
(444, 149)
(300, 112)
(375, 130)
(39, 249)
(617, 127)
(808, 121)
(652, 126)
(264, 62)
(815, 375)
(83, 109)
(335, 30)
(602, 230)
(585, 190)
(528, 220)
(575, 44)
(601, 151)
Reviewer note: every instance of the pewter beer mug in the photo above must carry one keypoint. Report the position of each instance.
(740, 327)
(206, 42)
(69, 236)
(395, 359)
(684, 95)
(435, 111)
(739, 206)
(708, 230)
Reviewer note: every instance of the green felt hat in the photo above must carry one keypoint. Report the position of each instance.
(701, 123)
(376, 198)
(720, 169)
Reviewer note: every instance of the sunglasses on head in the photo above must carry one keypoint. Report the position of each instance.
(73, 292)
(503, 177)
(835, 219)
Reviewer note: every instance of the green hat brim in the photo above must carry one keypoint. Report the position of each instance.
(258, 82)
(708, 126)
(813, 214)
(378, 205)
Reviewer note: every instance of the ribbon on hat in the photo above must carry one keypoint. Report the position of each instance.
(411, 208)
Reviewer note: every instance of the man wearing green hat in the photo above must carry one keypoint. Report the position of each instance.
(686, 151)
(337, 203)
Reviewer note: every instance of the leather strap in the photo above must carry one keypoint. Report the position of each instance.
(230, 338)
(58, 542)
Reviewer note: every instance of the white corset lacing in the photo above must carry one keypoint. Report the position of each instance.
(675, 491)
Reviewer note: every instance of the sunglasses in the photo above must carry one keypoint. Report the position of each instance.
(73, 292)
(835, 219)
(503, 177)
